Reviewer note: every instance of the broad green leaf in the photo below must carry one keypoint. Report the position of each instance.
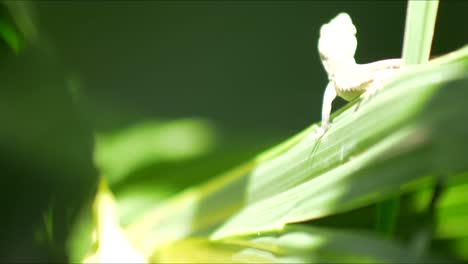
(362, 160)
(398, 103)
(294, 244)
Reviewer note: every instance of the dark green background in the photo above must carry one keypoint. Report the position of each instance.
(248, 66)
(252, 68)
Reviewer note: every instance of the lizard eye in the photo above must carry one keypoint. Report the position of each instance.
(353, 29)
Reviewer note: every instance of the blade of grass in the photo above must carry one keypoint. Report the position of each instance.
(419, 31)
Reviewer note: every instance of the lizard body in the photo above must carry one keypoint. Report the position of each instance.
(347, 79)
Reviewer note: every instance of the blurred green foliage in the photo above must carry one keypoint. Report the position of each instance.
(218, 81)
(45, 150)
(121, 152)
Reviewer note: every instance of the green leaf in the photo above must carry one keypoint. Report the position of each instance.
(363, 160)
(120, 152)
(10, 35)
(294, 244)
(360, 161)
(24, 18)
(111, 243)
(419, 31)
(396, 143)
(387, 214)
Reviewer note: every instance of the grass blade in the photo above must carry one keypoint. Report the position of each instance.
(419, 31)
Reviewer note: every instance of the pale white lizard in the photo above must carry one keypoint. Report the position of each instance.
(347, 79)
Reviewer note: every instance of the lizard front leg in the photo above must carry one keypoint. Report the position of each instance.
(328, 97)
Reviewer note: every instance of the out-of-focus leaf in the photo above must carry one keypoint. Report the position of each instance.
(196, 211)
(112, 246)
(9, 34)
(147, 189)
(294, 244)
(118, 153)
(81, 236)
(451, 210)
(460, 247)
(21, 28)
(197, 250)
(46, 156)
(24, 16)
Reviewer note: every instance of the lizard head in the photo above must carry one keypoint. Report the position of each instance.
(337, 42)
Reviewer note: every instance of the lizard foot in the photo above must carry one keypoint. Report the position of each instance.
(317, 136)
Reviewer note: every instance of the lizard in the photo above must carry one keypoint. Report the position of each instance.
(347, 79)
